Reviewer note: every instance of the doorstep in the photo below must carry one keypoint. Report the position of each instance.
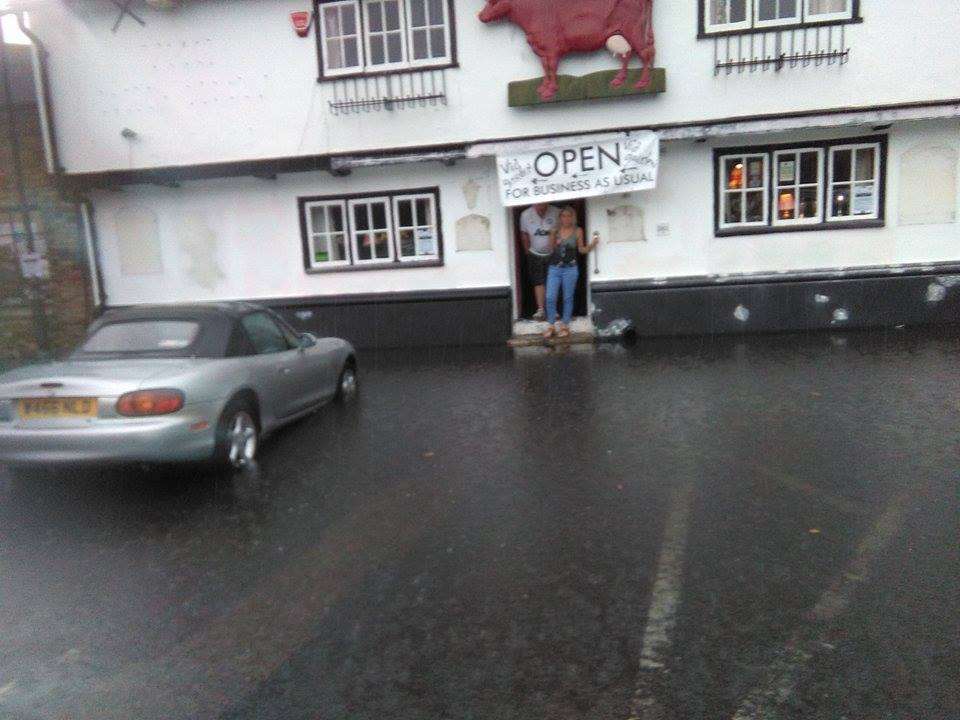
(530, 332)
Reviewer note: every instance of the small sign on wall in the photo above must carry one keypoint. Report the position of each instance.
(563, 172)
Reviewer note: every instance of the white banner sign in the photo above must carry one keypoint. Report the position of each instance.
(624, 164)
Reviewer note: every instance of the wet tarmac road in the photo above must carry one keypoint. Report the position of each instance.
(709, 528)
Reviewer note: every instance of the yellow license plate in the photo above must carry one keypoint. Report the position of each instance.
(43, 408)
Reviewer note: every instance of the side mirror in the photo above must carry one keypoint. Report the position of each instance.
(307, 340)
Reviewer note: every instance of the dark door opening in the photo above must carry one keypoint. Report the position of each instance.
(526, 302)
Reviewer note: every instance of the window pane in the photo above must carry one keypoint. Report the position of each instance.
(338, 247)
(788, 8)
(360, 220)
(823, 7)
(755, 172)
(349, 20)
(418, 15)
(841, 200)
(331, 25)
(364, 246)
(423, 212)
(394, 48)
(350, 55)
(755, 207)
(786, 205)
(808, 167)
(767, 10)
(405, 210)
(841, 166)
(733, 208)
(733, 171)
(381, 250)
(408, 246)
(320, 250)
(376, 50)
(392, 14)
(420, 51)
(334, 54)
(865, 159)
(379, 215)
(809, 203)
(438, 43)
(436, 12)
(318, 219)
(738, 10)
(375, 17)
(143, 336)
(864, 199)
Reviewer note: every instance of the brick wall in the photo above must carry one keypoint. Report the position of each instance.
(65, 303)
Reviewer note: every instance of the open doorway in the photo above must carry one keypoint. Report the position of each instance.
(525, 299)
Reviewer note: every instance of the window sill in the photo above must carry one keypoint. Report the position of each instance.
(384, 73)
(703, 35)
(819, 227)
(395, 265)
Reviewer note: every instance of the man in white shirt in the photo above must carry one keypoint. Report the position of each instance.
(536, 224)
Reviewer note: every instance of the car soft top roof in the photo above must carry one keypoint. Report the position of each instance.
(217, 321)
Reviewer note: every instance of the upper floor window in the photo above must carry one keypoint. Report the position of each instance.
(808, 186)
(387, 230)
(363, 37)
(721, 16)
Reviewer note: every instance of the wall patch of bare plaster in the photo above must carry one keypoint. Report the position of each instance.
(625, 224)
(198, 248)
(138, 240)
(473, 233)
(471, 192)
(934, 200)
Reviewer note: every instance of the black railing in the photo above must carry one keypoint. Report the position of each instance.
(397, 91)
(779, 49)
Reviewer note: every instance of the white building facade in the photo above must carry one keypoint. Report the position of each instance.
(809, 154)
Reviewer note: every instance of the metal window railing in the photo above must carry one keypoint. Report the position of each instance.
(397, 91)
(779, 49)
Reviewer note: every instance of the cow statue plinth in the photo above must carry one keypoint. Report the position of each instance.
(556, 28)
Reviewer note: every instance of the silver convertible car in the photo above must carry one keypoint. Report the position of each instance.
(169, 384)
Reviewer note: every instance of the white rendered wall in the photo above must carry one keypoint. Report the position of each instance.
(223, 80)
(684, 201)
(240, 238)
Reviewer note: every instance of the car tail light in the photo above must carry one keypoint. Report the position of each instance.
(150, 402)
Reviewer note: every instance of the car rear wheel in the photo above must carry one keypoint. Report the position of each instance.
(238, 437)
(347, 384)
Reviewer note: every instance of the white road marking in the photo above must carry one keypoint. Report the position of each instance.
(782, 677)
(664, 599)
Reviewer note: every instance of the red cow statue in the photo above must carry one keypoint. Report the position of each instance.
(557, 27)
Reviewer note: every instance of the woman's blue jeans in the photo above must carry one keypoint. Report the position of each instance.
(558, 275)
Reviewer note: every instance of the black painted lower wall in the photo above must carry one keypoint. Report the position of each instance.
(770, 305)
(685, 306)
(410, 319)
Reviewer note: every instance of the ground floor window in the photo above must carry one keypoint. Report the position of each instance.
(380, 230)
(829, 184)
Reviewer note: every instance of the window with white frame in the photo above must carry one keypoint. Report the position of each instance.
(370, 36)
(812, 186)
(854, 182)
(720, 16)
(383, 230)
(743, 190)
(798, 184)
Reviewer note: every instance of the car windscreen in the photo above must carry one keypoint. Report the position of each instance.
(142, 337)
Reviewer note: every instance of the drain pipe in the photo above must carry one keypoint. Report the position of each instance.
(41, 85)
